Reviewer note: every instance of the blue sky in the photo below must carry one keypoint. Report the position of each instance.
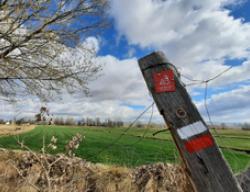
(241, 10)
(202, 38)
(117, 45)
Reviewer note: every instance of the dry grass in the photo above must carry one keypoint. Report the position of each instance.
(14, 129)
(20, 172)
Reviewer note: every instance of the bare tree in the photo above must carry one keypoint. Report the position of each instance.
(33, 34)
(59, 121)
(70, 121)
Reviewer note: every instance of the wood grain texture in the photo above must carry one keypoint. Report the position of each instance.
(207, 168)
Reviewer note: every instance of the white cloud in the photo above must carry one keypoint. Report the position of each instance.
(120, 80)
(229, 106)
(195, 35)
(198, 37)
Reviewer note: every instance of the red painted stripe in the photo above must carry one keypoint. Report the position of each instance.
(199, 143)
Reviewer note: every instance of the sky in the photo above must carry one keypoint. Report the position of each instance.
(202, 38)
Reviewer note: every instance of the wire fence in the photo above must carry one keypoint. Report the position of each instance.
(145, 132)
(152, 105)
(211, 123)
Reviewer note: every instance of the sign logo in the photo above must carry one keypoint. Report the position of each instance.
(164, 81)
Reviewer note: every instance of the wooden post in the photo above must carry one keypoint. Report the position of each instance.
(204, 162)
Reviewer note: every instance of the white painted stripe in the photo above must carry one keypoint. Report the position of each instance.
(191, 130)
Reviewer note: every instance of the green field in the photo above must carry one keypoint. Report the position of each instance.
(101, 145)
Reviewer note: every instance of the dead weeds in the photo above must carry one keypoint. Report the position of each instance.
(22, 172)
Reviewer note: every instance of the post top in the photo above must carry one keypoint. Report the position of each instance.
(154, 58)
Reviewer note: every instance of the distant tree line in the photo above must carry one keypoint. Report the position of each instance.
(67, 121)
(45, 117)
(17, 121)
(2, 121)
(245, 126)
(88, 122)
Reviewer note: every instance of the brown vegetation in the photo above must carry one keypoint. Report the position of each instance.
(14, 129)
(22, 172)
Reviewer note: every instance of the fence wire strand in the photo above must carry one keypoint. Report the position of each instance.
(124, 132)
(146, 129)
(209, 115)
(200, 81)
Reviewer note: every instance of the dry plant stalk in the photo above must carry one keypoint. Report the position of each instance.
(46, 163)
(73, 144)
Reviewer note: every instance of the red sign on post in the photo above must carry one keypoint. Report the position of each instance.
(164, 81)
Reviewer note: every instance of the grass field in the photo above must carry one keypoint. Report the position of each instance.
(101, 145)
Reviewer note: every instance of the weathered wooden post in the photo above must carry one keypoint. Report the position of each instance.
(204, 163)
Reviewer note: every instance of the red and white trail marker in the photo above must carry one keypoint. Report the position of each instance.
(194, 140)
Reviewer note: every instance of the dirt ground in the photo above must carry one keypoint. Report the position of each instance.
(14, 129)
